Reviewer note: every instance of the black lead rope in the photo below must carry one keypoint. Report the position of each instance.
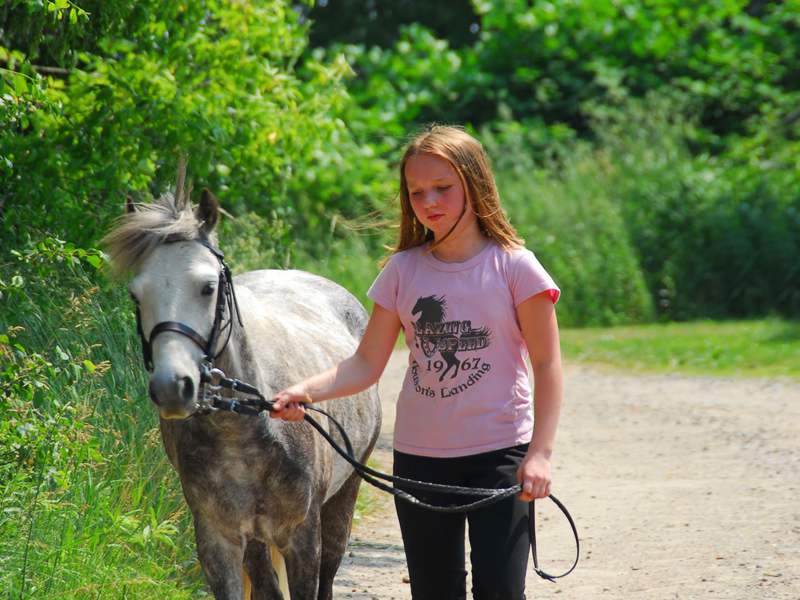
(255, 406)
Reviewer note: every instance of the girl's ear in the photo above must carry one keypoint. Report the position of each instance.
(207, 211)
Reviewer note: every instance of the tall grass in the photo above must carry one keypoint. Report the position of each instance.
(89, 506)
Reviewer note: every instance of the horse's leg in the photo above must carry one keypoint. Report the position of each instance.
(259, 567)
(221, 560)
(336, 522)
(452, 362)
(302, 558)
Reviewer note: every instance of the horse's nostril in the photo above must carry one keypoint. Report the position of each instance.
(186, 388)
(153, 395)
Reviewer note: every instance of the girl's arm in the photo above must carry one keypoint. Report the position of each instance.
(537, 318)
(350, 376)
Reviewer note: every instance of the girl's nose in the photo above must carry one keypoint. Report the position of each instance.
(431, 198)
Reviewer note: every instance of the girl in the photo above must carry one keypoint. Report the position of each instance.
(470, 300)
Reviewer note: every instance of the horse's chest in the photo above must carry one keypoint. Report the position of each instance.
(242, 494)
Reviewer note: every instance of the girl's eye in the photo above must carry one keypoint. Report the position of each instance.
(415, 194)
(208, 289)
(443, 188)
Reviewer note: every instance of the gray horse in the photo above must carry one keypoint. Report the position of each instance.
(272, 503)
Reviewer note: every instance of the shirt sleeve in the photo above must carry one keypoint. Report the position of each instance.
(384, 289)
(528, 277)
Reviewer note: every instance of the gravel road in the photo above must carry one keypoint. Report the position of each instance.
(682, 487)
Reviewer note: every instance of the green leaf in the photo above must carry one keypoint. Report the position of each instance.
(20, 84)
(89, 366)
(94, 260)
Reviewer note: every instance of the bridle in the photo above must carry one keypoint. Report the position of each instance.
(226, 303)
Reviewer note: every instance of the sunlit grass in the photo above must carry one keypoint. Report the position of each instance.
(757, 348)
(367, 500)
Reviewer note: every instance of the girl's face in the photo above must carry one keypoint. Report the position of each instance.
(436, 193)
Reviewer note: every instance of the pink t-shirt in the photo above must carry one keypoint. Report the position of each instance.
(466, 390)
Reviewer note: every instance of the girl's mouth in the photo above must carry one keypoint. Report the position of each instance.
(434, 217)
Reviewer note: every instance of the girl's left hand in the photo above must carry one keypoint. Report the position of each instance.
(534, 475)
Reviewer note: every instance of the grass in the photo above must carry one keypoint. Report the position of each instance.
(756, 348)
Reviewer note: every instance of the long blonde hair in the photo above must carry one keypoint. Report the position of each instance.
(468, 158)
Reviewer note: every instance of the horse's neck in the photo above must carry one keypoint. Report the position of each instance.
(236, 361)
(233, 361)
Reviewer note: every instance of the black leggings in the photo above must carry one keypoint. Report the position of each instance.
(434, 542)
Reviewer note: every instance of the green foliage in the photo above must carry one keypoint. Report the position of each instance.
(636, 225)
(149, 81)
(88, 504)
(572, 222)
(253, 242)
(715, 236)
(352, 260)
(731, 62)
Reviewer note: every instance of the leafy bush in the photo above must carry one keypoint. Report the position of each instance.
(145, 82)
(706, 236)
(732, 62)
(572, 222)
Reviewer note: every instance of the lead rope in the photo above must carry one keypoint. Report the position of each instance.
(216, 379)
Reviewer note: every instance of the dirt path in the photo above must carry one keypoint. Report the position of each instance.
(682, 487)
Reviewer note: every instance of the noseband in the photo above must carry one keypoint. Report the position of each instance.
(226, 302)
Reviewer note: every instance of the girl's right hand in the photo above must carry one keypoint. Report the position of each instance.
(288, 404)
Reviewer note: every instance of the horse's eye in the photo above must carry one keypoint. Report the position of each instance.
(134, 298)
(208, 289)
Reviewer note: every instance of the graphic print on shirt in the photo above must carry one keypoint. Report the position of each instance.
(436, 336)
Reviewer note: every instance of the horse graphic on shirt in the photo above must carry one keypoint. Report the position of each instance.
(434, 334)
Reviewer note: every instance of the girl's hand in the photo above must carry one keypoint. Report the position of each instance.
(534, 475)
(288, 404)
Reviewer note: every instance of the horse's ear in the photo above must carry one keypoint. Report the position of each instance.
(130, 205)
(207, 211)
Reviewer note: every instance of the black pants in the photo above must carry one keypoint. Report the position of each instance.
(434, 542)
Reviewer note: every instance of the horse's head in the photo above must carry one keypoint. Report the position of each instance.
(169, 249)
(431, 309)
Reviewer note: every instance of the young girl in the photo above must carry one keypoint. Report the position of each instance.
(471, 301)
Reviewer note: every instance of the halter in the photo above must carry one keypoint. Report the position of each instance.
(226, 297)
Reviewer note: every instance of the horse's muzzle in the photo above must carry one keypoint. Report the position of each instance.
(175, 396)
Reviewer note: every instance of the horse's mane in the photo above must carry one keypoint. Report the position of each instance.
(434, 307)
(136, 234)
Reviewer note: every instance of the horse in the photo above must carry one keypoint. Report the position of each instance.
(271, 503)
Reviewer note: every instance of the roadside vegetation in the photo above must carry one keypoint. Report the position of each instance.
(753, 348)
